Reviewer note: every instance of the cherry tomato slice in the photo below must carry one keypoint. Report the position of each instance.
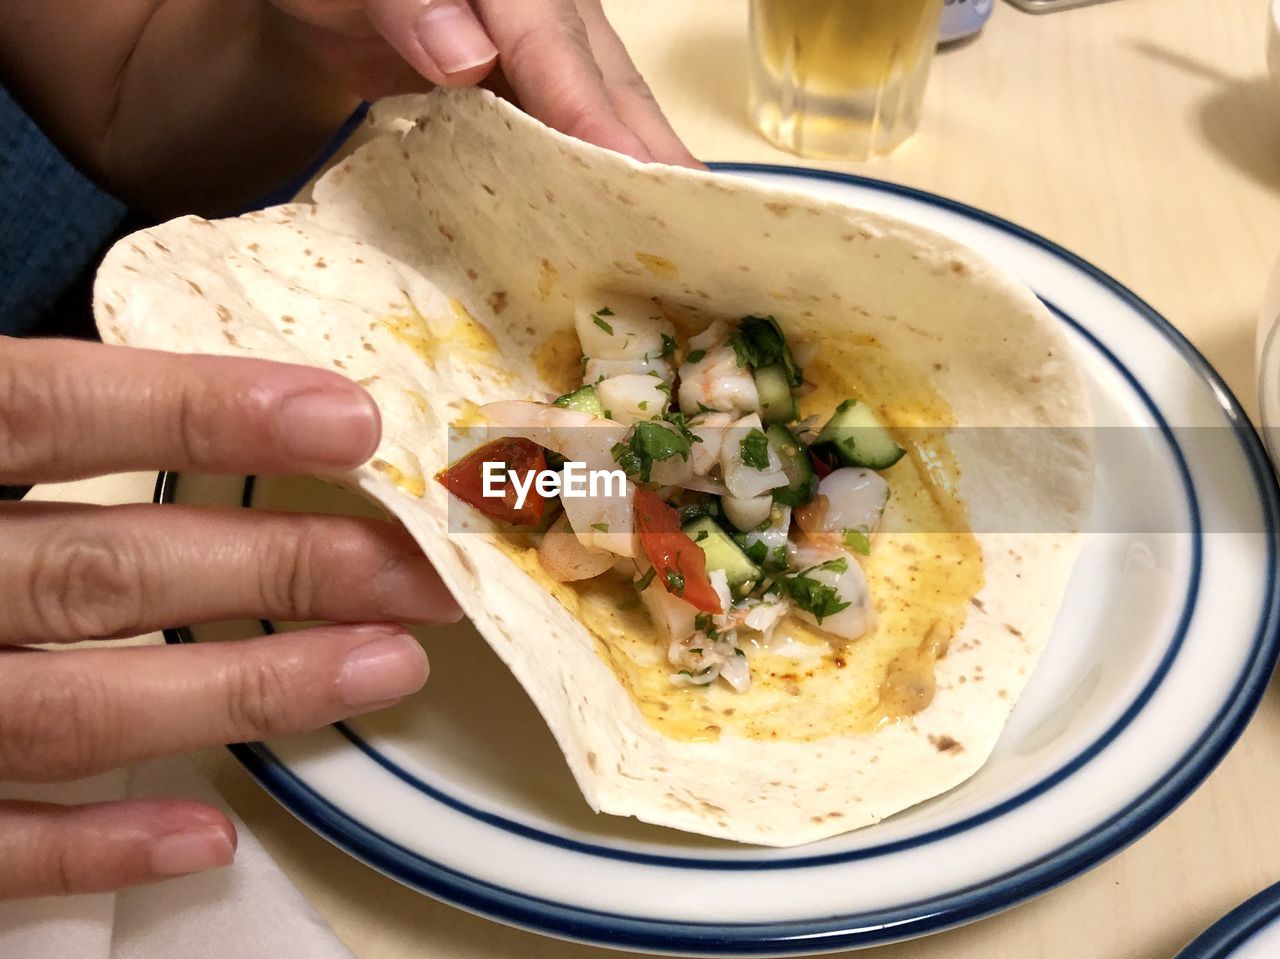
(680, 563)
(465, 480)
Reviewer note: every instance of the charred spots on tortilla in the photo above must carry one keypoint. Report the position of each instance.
(946, 744)
(779, 210)
(195, 287)
(1013, 630)
(231, 338)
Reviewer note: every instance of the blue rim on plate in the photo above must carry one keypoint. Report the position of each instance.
(862, 929)
(1237, 927)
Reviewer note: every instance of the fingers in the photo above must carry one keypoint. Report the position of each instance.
(71, 409)
(80, 572)
(441, 39)
(48, 850)
(76, 712)
(630, 95)
(547, 59)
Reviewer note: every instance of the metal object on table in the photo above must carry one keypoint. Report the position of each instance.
(1052, 6)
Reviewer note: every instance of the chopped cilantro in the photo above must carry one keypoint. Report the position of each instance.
(696, 510)
(754, 449)
(697, 650)
(643, 404)
(702, 534)
(813, 596)
(600, 527)
(858, 540)
(759, 342)
(696, 356)
(668, 345)
(737, 651)
(702, 622)
(652, 440)
(643, 582)
(604, 311)
(600, 322)
(675, 583)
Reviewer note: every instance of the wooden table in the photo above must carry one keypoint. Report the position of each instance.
(1143, 135)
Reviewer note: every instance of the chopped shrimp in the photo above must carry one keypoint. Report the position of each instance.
(717, 382)
(632, 328)
(633, 397)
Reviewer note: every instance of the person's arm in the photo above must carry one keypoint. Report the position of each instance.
(174, 105)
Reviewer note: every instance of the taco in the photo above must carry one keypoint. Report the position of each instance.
(848, 455)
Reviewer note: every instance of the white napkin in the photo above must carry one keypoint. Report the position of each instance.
(249, 910)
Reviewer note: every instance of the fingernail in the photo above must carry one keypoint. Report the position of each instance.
(193, 851)
(385, 669)
(411, 591)
(453, 38)
(328, 427)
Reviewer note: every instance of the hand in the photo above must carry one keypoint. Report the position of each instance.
(561, 58)
(70, 573)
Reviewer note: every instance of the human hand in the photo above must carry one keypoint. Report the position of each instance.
(74, 572)
(561, 58)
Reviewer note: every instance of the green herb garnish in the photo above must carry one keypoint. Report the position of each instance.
(696, 356)
(759, 342)
(675, 583)
(754, 450)
(643, 582)
(652, 440)
(600, 322)
(600, 527)
(813, 596)
(702, 622)
(668, 345)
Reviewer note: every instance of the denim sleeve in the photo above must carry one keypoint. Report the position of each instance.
(52, 220)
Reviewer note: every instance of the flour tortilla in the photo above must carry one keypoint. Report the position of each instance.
(460, 197)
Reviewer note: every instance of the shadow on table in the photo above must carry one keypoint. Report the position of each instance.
(1240, 120)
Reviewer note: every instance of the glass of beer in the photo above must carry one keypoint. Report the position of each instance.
(840, 78)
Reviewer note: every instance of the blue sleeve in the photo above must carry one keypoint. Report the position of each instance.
(52, 220)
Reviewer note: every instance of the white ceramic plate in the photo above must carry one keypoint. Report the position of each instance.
(1250, 931)
(1167, 637)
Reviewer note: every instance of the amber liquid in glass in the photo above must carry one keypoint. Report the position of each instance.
(840, 78)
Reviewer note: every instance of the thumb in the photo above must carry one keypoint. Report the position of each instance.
(443, 40)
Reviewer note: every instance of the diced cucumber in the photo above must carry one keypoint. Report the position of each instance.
(583, 400)
(766, 546)
(858, 438)
(723, 553)
(777, 404)
(802, 482)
